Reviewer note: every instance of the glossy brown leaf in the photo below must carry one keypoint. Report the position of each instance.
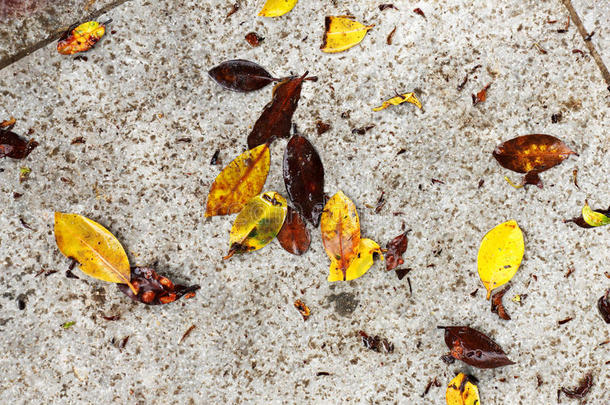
(241, 75)
(603, 305)
(474, 348)
(14, 146)
(396, 248)
(535, 152)
(497, 306)
(580, 221)
(304, 178)
(154, 289)
(294, 236)
(276, 119)
(584, 385)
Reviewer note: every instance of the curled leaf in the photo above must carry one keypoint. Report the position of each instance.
(254, 39)
(462, 391)
(240, 75)
(13, 146)
(341, 33)
(257, 224)
(303, 309)
(294, 236)
(584, 385)
(98, 252)
(594, 218)
(399, 99)
(81, 38)
(474, 348)
(376, 343)
(363, 261)
(241, 180)
(304, 178)
(500, 255)
(580, 221)
(153, 289)
(396, 248)
(497, 306)
(603, 305)
(276, 8)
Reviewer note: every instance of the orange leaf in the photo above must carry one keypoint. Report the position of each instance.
(81, 38)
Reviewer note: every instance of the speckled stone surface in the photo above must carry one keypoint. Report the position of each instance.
(595, 16)
(146, 86)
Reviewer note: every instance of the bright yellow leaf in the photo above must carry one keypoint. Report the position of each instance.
(360, 265)
(276, 8)
(399, 99)
(342, 33)
(241, 180)
(594, 218)
(500, 255)
(82, 38)
(461, 391)
(98, 252)
(258, 223)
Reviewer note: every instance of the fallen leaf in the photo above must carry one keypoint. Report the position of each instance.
(276, 119)
(603, 305)
(24, 174)
(341, 33)
(497, 306)
(462, 391)
(67, 325)
(294, 236)
(276, 8)
(254, 39)
(98, 252)
(257, 224)
(303, 309)
(363, 261)
(594, 218)
(304, 178)
(390, 36)
(580, 221)
(81, 38)
(481, 95)
(10, 123)
(500, 255)
(376, 343)
(14, 146)
(386, 6)
(399, 99)
(237, 183)
(419, 11)
(153, 289)
(396, 248)
(474, 348)
(241, 75)
(582, 390)
(188, 332)
(322, 127)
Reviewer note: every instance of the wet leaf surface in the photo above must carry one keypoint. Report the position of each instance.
(396, 248)
(304, 178)
(462, 391)
(582, 390)
(14, 146)
(276, 8)
(153, 289)
(342, 33)
(474, 348)
(294, 236)
(240, 75)
(303, 309)
(603, 306)
(81, 38)
(497, 306)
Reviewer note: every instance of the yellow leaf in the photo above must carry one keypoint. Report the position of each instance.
(258, 223)
(500, 255)
(340, 228)
(594, 218)
(399, 99)
(276, 8)
(82, 38)
(98, 252)
(342, 33)
(360, 265)
(461, 391)
(241, 180)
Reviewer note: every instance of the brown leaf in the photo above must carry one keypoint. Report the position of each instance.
(13, 146)
(390, 36)
(240, 75)
(294, 236)
(376, 343)
(254, 39)
(276, 119)
(396, 248)
(304, 178)
(481, 95)
(401, 273)
(536, 152)
(322, 127)
(603, 305)
(386, 6)
(474, 348)
(497, 306)
(582, 390)
(419, 11)
(154, 289)
(188, 332)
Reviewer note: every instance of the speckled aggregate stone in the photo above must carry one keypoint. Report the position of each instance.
(146, 86)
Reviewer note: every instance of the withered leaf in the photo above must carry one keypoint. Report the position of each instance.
(481, 95)
(474, 348)
(603, 305)
(376, 343)
(582, 390)
(386, 6)
(294, 236)
(304, 178)
(580, 221)
(535, 152)
(396, 248)
(154, 289)
(322, 127)
(276, 119)
(13, 146)
(254, 39)
(497, 306)
(303, 309)
(240, 75)
(401, 273)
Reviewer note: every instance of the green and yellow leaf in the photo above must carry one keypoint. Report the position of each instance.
(341, 33)
(360, 265)
(399, 99)
(276, 8)
(461, 391)
(594, 218)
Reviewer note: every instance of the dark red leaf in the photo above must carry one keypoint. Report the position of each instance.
(582, 390)
(580, 221)
(419, 11)
(304, 178)
(254, 39)
(154, 289)
(497, 306)
(474, 348)
(396, 248)
(401, 273)
(276, 119)
(386, 6)
(322, 127)
(294, 236)
(603, 305)
(240, 75)
(14, 146)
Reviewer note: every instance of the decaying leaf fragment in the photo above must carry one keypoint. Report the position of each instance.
(153, 289)
(257, 224)
(241, 75)
(294, 236)
(399, 99)
(12, 145)
(497, 306)
(237, 183)
(603, 305)
(98, 252)
(396, 248)
(462, 391)
(584, 385)
(474, 348)
(81, 38)
(303, 309)
(342, 32)
(500, 255)
(276, 8)
(594, 218)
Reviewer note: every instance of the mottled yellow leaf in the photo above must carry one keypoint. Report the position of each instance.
(98, 252)
(594, 218)
(241, 180)
(399, 99)
(461, 391)
(500, 255)
(359, 266)
(340, 228)
(81, 38)
(342, 32)
(258, 223)
(276, 8)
